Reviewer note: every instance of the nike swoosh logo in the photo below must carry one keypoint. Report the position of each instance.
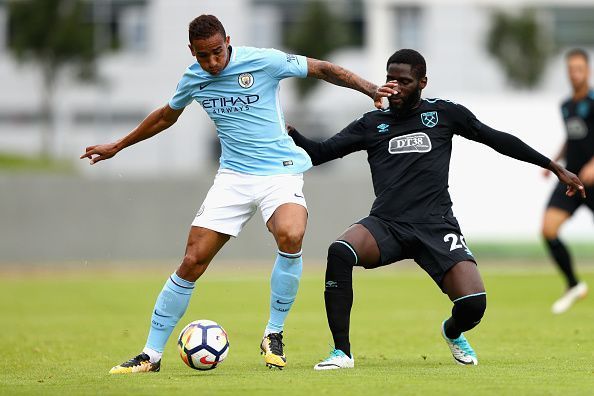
(204, 85)
(463, 362)
(204, 360)
(298, 196)
(285, 303)
(163, 316)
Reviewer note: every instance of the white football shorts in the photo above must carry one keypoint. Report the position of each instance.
(234, 197)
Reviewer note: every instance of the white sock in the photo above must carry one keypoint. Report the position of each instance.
(268, 331)
(153, 355)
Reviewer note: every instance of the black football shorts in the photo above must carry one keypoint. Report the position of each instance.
(435, 247)
(570, 204)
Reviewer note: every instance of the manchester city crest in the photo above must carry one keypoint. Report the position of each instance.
(429, 119)
(245, 80)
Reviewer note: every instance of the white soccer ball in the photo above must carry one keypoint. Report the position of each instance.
(203, 344)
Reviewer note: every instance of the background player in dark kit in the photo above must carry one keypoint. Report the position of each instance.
(578, 152)
(409, 148)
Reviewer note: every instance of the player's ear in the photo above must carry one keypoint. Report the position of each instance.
(192, 49)
(227, 40)
(423, 82)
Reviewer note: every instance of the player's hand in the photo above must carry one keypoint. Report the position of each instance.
(385, 91)
(290, 129)
(572, 182)
(587, 173)
(100, 152)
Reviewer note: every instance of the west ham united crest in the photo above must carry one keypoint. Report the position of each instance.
(245, 80)
(429, 119)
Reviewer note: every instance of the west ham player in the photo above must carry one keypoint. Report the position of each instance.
(409, 147)
(578, 151)
(260, 167)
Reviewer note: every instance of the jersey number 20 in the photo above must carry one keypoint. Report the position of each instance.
(453, 238)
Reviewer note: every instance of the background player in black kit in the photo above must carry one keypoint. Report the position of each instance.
(409, 147)
(578, 151)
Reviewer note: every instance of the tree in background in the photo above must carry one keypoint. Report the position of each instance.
(54, 34)
(520, 46)
(316, 35)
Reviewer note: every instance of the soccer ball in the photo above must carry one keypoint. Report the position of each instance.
(203, 344)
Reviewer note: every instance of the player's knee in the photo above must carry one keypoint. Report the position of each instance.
(194, 259)
(343, 251)
(549, 229)
(549, 233)
(193, 266)
(468, 311)
(339, 269)
(289, 239)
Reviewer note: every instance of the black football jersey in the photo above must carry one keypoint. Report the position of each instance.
(579, 125)
(409, 156)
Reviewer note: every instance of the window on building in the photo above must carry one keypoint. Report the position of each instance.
(121, 24)
(408, 25)
(573, 26)
(289, 15)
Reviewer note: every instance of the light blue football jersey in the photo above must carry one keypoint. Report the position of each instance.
(243, 102)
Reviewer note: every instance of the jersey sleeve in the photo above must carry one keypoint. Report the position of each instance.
(183, 94)
(282, 65)
(349, 140)
(465, 124)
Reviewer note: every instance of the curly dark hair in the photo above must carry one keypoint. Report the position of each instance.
(412, 58)
(205, 26)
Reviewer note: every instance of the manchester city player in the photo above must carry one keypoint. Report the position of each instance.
(578, 151)
(409, 147)
(260, 168)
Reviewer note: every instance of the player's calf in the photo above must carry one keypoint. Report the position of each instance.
(338, 292)
(466, 314)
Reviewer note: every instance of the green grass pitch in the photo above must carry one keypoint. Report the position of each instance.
(61, 332)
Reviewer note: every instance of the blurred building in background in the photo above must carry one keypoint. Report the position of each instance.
(141, 73)
(151, 55)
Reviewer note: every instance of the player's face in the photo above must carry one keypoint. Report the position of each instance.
(409, 87)
(578, 70)
(212, 53)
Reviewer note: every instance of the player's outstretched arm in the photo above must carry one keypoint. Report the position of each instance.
(512, 146)
(339, 145)
(316, 150)
(159, 120)
(337, 75)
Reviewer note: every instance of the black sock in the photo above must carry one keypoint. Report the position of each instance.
(338, 293)
(562, 258)
(466, 314)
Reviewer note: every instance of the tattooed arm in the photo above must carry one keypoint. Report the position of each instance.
(337, 75)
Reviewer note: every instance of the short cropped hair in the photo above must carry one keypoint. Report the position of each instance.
(412, 58)
(578, 52)
(205, 26)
